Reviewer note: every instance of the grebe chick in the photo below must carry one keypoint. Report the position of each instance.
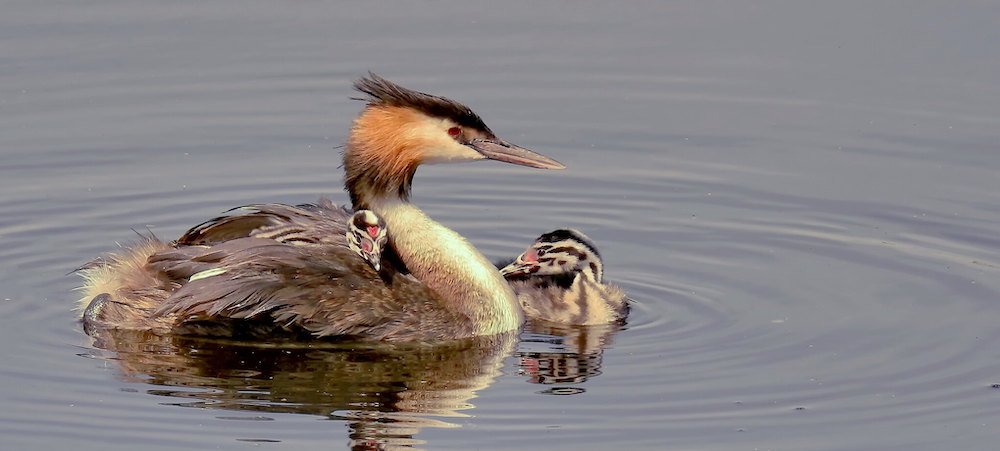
(366, 236)
(292, 265)
(560, 279)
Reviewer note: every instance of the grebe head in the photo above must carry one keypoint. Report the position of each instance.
(366, 236)
(401, 128)
(560, 252)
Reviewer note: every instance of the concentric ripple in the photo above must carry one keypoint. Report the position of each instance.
(802, 202)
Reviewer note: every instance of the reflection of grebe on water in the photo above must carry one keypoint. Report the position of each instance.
(386, 393)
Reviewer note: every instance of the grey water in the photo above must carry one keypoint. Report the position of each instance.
(801, 198)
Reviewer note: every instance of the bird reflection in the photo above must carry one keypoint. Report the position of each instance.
(552, 353)
(386, 393)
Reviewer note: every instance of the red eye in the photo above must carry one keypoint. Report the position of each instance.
(373, 231)
(454, 131)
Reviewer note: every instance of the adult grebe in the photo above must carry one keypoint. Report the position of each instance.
(291, 266)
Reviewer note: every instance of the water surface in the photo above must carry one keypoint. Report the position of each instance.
(802, 200)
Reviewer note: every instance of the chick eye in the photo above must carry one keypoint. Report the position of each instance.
(454, 131)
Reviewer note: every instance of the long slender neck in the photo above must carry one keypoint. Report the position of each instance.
(379, 168)
(379, 161)
(444, 261)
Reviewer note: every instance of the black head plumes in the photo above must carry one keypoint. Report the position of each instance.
(385, 92)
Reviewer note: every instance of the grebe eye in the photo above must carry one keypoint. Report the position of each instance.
(454, 131)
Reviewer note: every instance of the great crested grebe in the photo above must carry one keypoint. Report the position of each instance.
(560, 279)
(291, 266)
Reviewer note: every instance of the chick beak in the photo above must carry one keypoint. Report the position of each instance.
(371, 253)
(524, 264)
(516, 269)
(374, 258)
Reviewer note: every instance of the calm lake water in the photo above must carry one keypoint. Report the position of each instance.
(802, 200)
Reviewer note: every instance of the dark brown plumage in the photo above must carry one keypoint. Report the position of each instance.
(289, 264)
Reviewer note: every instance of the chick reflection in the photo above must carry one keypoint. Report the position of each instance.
(386, 392)
(553, 353)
